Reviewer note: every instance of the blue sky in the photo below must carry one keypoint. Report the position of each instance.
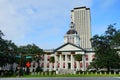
(45, 22)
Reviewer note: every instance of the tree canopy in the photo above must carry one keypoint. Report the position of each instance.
(78, 57)
(106, 48)
(9, 51)
(30, 49)
(52, 59)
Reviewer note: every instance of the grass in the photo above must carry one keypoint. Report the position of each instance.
(66, 75)
(72, 75)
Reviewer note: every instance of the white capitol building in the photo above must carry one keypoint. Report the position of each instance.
(64, 55)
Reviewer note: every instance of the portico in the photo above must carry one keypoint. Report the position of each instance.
(64, 57)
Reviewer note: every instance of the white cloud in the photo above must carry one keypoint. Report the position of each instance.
(12, 23)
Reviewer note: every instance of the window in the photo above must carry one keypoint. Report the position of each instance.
(63, 57)
(53, 65)
(48, 57)
(74, 64)
(70, 40)
(42, 57)
(63, 65)
(69, 57)
(58, 65)
(86, 56)
(80, 64)
(42, 65)
(47, 65)
(87, 64)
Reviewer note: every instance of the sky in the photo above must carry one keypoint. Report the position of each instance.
(45, 22)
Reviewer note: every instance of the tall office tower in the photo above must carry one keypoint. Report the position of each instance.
(80, 16)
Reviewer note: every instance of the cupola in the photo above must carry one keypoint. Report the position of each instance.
(71, 36)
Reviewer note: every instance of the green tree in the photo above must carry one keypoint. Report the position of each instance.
(7, 50)
(78, 57)
(104, 45)
(3, 50)
(52, 59)
(30, 49)
(1, 34)
(12, 50)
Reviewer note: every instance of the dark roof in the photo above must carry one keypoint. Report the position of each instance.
(72, 31)
(87, 8)
(81, 8)
(70, 44)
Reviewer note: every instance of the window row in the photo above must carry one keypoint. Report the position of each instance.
(58, 65)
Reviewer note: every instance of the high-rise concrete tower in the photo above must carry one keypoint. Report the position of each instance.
(80, 16)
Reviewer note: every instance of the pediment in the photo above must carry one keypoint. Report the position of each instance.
(69, 47)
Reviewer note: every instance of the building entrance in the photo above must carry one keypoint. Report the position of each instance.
(69, 65)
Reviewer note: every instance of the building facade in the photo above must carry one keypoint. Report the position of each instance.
(64, 55)
(80, 16)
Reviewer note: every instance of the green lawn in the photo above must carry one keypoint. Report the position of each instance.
(74, 75)
(68, 75)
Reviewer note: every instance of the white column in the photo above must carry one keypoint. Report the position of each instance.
(55, 64)
(45, 62)
(78, 65)
(84, 62)
(66, 62)
(72, 62)
(50, 68)
(60, 61)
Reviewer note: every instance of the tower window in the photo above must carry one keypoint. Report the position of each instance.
(70, 40)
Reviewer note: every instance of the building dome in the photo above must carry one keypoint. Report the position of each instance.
(71, 36)
(72, 31)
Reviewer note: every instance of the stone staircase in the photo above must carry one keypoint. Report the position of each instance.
(65, 71)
